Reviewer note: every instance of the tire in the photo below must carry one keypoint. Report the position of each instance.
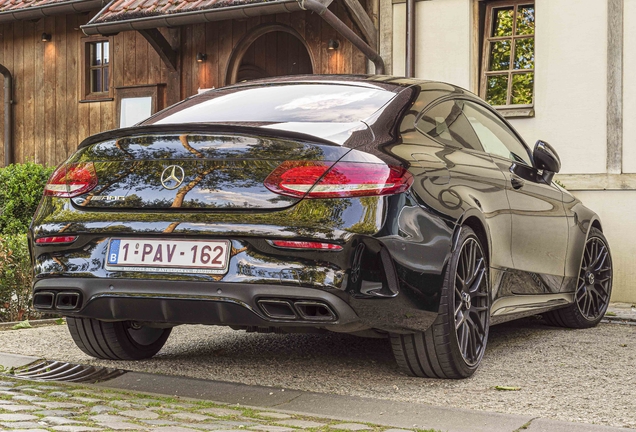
(447, 350)
(592, 295)
(116, 340)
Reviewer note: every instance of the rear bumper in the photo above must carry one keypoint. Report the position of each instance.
(388, 275)
(183, 302)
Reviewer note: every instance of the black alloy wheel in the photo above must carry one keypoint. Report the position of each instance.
(594, 287)
(121, 340)
(595, 280)
(471, 302)
(454, 345)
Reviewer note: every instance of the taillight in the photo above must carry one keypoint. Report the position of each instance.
(56, 239)
(290, 244)
(71, 180)
(344, 179)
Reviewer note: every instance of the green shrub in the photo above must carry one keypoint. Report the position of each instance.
(21, 187)
(15, 278)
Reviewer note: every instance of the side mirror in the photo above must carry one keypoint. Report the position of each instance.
(547, 160)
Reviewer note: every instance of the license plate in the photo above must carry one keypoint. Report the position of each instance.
(169, 256)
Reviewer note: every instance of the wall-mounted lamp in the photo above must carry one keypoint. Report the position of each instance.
(333, 44)
(201, 57)
(46, 37)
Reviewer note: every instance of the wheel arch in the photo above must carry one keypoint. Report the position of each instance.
(475, 221)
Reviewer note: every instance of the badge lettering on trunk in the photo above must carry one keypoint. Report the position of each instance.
(172, 177)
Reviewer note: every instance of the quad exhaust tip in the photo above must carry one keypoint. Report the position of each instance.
(297, 310)
(44, 299)
(63, 300)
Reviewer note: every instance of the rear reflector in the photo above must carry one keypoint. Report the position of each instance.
(288, 244)
(344, 179)
(56, 239)
(71, 180)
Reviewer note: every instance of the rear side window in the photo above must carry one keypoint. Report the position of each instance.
(446, 123)
(279, 104)
(496, 137)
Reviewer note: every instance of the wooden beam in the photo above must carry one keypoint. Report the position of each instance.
(592, 182)
(156, 39)
(615, 86)
(364, 22)
(386, 35)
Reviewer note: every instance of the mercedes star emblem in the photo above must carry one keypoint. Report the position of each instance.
(172, 177)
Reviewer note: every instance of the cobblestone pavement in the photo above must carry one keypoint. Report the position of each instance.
(37, 407)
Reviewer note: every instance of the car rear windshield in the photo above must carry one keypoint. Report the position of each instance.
(278, 104)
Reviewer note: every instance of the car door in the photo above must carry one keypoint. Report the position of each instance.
(539, 236)
(463, 177)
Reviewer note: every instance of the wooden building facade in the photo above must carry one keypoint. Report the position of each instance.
(54, 66)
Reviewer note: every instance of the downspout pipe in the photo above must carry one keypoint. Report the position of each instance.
(410, 38)
(8, 115)
(345, 31)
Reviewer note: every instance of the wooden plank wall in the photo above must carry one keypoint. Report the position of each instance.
(50, 121)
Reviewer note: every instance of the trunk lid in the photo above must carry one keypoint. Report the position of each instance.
(197, 170)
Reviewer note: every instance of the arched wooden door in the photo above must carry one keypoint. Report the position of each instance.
(269, 50)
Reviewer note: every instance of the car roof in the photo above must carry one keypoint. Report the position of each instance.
(390, 83)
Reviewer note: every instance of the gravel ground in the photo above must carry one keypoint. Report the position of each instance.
(573, 375)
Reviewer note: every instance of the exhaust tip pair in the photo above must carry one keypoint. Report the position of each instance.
(303, 310)
(62, 300)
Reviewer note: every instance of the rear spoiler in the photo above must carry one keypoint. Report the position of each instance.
(202, 128)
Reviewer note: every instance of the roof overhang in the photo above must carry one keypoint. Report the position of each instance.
(241, 11)
(46, 9)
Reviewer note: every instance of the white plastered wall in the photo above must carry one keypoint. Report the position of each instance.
(442, 37)
(571, 83)
(614, 208)
(571, 70)
(629, 88)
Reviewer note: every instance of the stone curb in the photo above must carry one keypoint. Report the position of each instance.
(618, 320)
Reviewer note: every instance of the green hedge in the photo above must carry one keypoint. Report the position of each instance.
(15, 278)
(21, 187)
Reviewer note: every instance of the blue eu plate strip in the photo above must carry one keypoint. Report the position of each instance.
(113, 253)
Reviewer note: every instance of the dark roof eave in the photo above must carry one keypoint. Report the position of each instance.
(37, 12)
(191, 17)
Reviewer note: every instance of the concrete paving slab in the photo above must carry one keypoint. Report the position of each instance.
(397, 414)
(14, 360)
(546, 425)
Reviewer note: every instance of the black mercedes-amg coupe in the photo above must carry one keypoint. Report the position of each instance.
(370, 205)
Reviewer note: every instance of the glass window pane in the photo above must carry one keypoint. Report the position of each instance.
(497, 89)
(446, 123)
(305, 103)
(522, 88)
(495, 135)
(524, 53)
(105, 73)
(106, 52)
(96, 53)
(502, 22)
(133, 110)
(96, 81)
(525, 20)
(500, 55)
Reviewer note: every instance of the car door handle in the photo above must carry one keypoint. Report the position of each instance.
(516, 182)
